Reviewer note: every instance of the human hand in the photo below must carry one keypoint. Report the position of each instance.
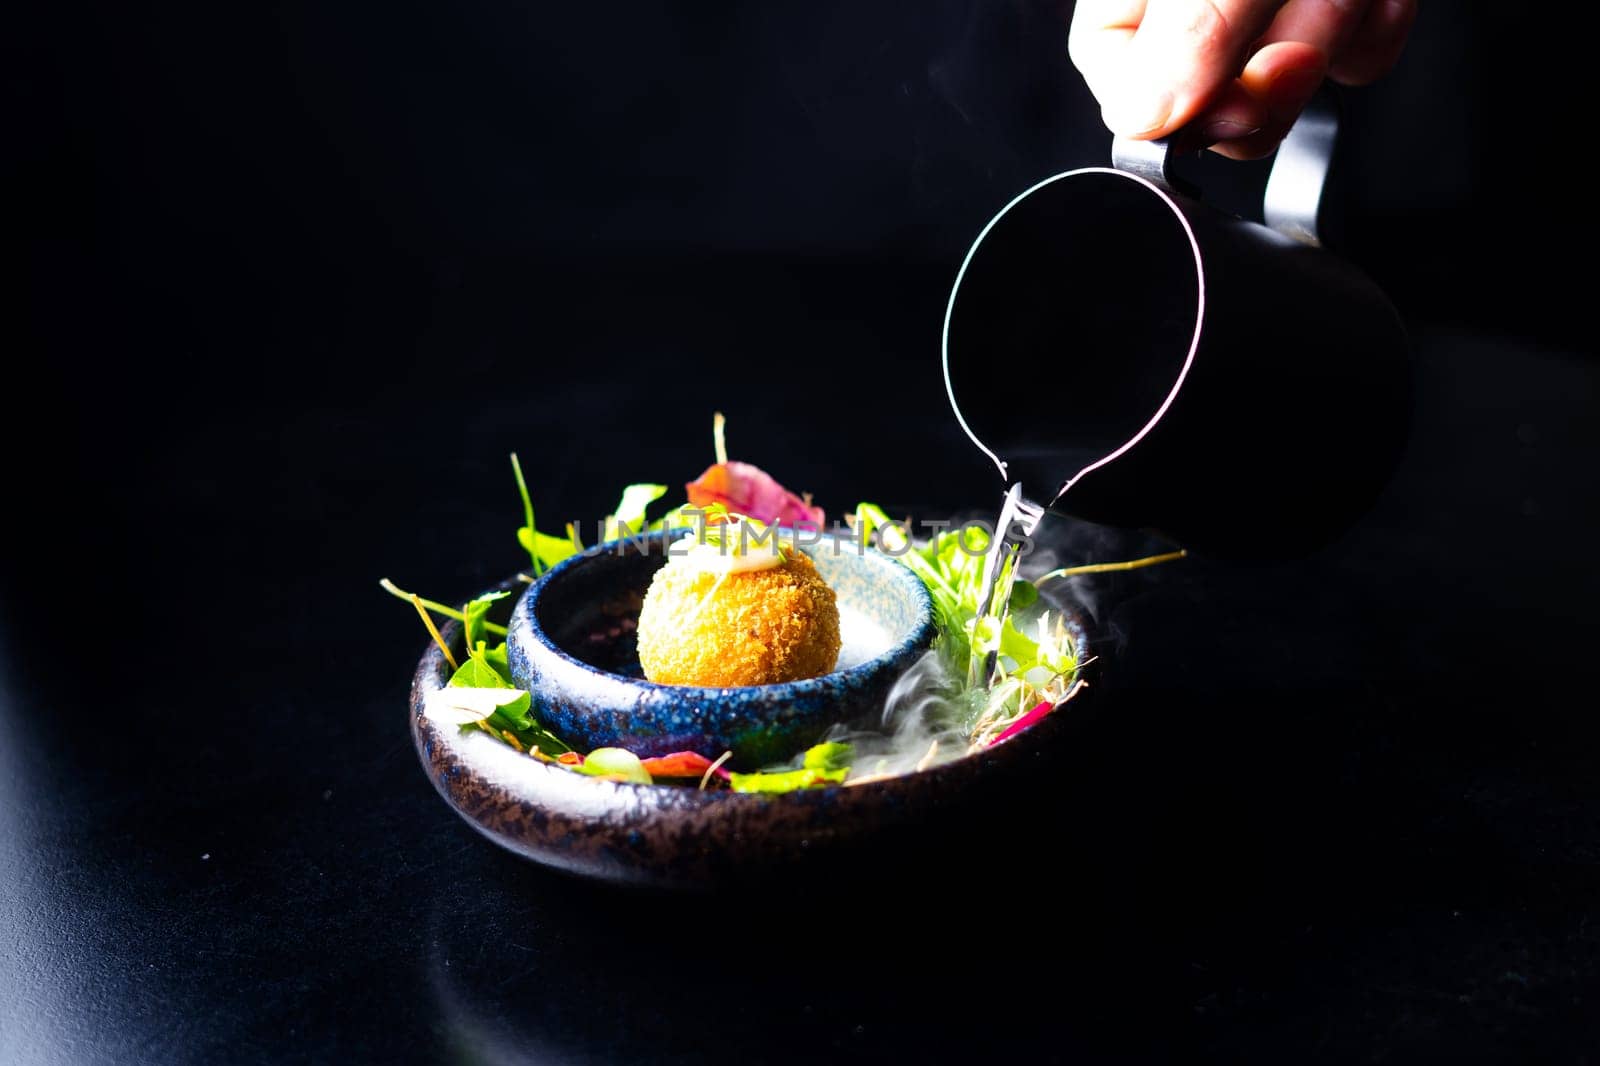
(1235, 73)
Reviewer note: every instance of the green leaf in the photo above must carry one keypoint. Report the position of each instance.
(786, 780)
(1037, 663)
(972, 542)
(515, 713)
(984, 634)
(827, 763)
(1024, 594)
(673, 519)
(469, 704)
(477, 673)
(475, 613)
(543, 550)
(528, 730)
(497, 658)
(615, 763)
(487, 668)
(1038, 676)
(546, 550)
(869, 518)
(1018, 645)
(628, 518)
(832, 755)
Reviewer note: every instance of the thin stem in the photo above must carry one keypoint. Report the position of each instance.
(869, 779)
(527, 514)
(438, 608)
(724, 757)
(1105, 568)
(444, 648)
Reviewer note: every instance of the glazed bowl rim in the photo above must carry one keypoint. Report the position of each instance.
(921, 636)
(431, 673)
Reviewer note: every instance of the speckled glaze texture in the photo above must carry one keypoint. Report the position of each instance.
(572, 643)
(681, 838)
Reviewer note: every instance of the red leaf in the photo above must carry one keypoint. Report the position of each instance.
(749, 490)
(680, 764)
(1023, 723)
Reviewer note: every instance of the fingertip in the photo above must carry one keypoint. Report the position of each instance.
(1236, 116)
(1257, 146)
(1284, 76)
(1281, 78)
(1280, 59)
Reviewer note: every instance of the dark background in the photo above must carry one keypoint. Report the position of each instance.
(295, 280)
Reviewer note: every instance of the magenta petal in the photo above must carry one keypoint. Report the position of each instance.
(749, 490)
(1024, 722)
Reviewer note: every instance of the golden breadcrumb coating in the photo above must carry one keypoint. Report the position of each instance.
(758, 627)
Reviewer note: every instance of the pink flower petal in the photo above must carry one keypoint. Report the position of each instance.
(681, 764)
(1023, 723)
(749, 490)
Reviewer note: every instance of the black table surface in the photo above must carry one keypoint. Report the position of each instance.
(1343, 808)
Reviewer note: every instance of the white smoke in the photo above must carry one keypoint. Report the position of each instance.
(927, 716)
(922, 725)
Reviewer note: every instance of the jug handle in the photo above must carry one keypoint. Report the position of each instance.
(1292, 201)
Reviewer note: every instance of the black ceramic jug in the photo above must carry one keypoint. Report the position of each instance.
(1135, 357)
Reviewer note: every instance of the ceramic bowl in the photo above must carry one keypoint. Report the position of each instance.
(572, 643)
(682, 838)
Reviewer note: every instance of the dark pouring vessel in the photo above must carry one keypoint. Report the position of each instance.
(1135, 357)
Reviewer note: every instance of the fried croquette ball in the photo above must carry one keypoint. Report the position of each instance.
(754, 627)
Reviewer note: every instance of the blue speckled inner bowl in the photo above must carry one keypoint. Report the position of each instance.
(572, 643)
